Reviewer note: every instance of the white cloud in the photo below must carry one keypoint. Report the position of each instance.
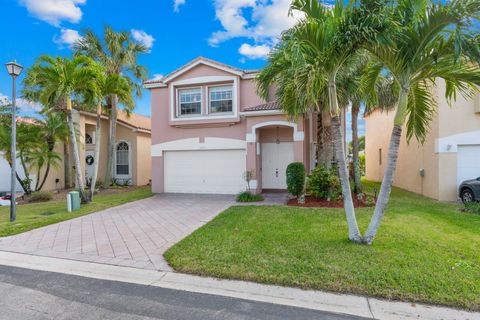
(55, 11)
(28, 106)
(4, 100)
(267, 20)
(67, 37)
(157, 76)
(143, 38)
(254, 52)
(177, 4)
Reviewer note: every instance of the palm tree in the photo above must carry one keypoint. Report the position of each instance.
(107, 85)
(426, 46)
(60, 80)
(53, 129)
(305, 66)
(355, 92)
(118, 54)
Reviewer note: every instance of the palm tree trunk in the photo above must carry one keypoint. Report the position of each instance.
(97, 150)
(28, 190)
(47, 171)
(76, 153)
(324, 139)
(386, 187)
(356, 164)
(112, 132)
(353, 231)
(66, 165)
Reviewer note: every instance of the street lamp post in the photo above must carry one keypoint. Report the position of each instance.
(14, 70)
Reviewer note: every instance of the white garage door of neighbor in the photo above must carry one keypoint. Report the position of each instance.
(468, 163)
(212, 171)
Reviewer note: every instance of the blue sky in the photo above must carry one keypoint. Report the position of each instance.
(236, 32)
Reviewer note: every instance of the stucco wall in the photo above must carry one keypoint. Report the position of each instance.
(453, 125)
(413, 156)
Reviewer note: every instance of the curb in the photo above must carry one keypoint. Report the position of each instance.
(317, 300)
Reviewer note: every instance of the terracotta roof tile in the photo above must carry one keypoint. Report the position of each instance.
(135, 120)
(272, 105)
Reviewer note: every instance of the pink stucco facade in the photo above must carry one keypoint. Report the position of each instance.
(239, 129)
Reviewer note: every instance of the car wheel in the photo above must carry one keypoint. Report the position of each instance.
(467, 196)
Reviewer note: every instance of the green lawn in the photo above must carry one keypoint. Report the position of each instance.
(426, 251)
(35, 215)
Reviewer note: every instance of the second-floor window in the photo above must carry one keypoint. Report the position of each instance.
(190, 101)
(220, 99)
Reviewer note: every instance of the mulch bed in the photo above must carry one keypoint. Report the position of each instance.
(312, 202)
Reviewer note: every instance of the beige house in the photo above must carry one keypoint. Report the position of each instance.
(450, 154)
(132, 162)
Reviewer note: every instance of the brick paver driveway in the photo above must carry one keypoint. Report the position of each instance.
(135, 234)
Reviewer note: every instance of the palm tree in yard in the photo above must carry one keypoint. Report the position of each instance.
(53, 129)
(60, 80)
(107, 85)
(305, 66)
(118, 54)
(426, 46)
(355, 92)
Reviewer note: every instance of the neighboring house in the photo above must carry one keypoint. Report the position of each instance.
(450, 154)
(209, 127)
(132, 149)
(131, 157)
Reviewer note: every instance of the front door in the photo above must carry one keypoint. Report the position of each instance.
(275, 159)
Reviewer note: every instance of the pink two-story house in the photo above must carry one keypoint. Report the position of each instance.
(209, 127)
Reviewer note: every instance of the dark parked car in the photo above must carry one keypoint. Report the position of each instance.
(469, 190)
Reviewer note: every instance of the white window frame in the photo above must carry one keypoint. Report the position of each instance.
(209, 106)
(91, 137)
(130, 168)
(177, 96)
(202, 82)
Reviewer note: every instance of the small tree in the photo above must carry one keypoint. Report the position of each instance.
(249, 175)
(296, 179)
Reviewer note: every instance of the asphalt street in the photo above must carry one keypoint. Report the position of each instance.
(28, 294)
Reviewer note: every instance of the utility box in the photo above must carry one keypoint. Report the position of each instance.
(73, 201)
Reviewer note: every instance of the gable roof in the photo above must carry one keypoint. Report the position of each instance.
(154, 83)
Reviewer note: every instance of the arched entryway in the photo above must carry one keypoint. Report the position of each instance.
(277, 144)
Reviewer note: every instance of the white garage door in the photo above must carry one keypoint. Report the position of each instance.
(468, 163)
(212, 171)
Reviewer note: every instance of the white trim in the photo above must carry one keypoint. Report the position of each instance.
(297, 135)
(208, 100)
(195, 144)
(261, 113)
(258, 149)
(178, 102)
(154, 85)
(198, 82)
(449, 144)
(201, 61)
(250, 76)
(130, 168)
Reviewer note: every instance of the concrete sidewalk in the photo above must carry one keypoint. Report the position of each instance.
(315, 300)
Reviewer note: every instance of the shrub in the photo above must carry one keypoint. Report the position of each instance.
(40, 196)
(324, 183)
(249, 175)
(247, 196)
(296, 178)
(472, 207)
